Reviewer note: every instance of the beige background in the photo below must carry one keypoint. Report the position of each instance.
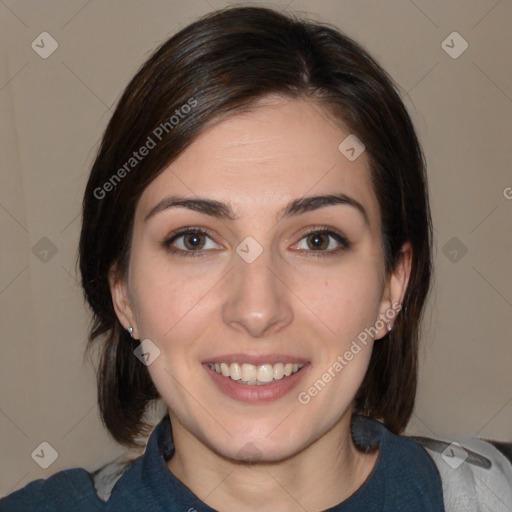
(53, 112)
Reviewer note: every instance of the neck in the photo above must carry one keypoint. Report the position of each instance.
(318, 477)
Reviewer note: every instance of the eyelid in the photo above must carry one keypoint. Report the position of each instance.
(332, 232)
(184, 231)
(170, 239)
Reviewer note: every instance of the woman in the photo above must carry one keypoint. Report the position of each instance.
(256, 251)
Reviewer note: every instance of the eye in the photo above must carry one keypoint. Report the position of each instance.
(190, 242)
(322, 240)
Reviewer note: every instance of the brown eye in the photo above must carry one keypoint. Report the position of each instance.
(190, 242)
(318, 241)
(323, 242)
(194, 241)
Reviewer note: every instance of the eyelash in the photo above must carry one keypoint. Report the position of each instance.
(338, 237)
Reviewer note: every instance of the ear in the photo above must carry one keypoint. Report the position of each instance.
(121, 301)
(394, 291)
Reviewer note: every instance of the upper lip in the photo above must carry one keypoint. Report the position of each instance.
(256, 359)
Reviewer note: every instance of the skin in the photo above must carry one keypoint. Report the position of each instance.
(293, 299)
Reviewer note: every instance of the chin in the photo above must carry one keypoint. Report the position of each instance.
(245, 447)
(254, 452)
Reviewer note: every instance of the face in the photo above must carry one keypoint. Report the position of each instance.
(258, 254)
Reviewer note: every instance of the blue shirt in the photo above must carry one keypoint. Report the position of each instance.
(404, 479)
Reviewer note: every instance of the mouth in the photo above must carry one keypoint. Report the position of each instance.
(256, 375)
(256, 380)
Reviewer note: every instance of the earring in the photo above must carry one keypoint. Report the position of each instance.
(135, 342)
(389, 327)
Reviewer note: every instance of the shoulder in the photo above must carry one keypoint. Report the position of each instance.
(475, 474)
(405, 477)
(121, 485)
(402, 453)
(471, 474)
(115, 486)
(414, 474)
(71, 489)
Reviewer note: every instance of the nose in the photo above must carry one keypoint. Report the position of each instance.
(258, 301)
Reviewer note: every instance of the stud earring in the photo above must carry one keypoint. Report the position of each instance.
(135, 341)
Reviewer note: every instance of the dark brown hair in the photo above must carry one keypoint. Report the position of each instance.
(224, 63)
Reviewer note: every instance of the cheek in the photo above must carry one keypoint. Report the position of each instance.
(346, 304)
(169, 298)
(342, 300)
(174, 307)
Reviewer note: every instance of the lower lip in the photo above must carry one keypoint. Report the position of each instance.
(256, 393)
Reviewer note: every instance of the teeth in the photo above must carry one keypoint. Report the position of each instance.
(278, 371)
(265, 373)
(235, 372)
(246, 373)
(249, 372)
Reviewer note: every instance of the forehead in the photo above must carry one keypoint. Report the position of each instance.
(280, 150)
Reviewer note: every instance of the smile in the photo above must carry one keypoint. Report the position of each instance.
(250, 374)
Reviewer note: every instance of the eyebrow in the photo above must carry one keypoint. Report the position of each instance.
(222, 210)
